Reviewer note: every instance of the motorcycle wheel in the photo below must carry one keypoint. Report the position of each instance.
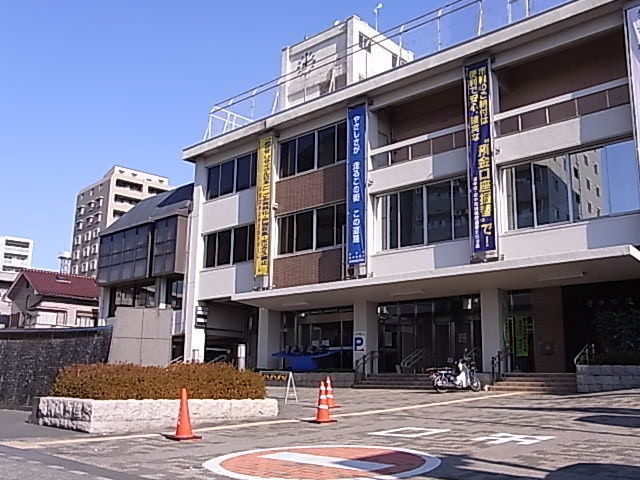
(475, 385)
(438, 385)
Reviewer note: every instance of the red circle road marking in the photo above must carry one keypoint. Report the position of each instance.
(323, 462)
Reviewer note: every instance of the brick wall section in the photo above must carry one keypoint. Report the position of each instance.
(312, 189)
(308, 268)
(30, 359)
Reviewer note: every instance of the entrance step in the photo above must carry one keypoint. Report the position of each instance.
(537, 383)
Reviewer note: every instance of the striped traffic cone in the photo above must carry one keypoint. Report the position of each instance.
(331, 401)
(322, 413)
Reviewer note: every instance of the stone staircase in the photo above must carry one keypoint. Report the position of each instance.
(537, 383)
(400, 381)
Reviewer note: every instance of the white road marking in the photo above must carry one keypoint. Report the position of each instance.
(410, 432)
(500, 438)
(78, 472)
(324, 461)
(56, 467)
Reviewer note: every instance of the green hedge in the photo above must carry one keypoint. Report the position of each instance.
(617, 358)
(127, 381)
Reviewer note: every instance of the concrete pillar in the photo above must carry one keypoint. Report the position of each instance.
(492, 311)
(365, 320)
(268, 338)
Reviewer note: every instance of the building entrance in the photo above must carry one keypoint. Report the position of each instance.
(518, 332)
(416, 335)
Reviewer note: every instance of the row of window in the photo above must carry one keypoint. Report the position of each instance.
(97, 203)
(144, 296)
(424, 215)
(84, 267)
(229, 246)
(312, 150)
(312, 229)
(232, 176)
(588, 184)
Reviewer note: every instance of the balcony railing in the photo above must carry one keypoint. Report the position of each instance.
(563, 107)
(425, 35)
(419, 147)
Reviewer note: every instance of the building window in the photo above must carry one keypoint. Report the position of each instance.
(229, 246)
(136, 187)
(96, 232)
(87, 236)
(311, 229)
(364, 43)
(231, 176)
(79, 225)
(175, 289)
(532, 203)
(77, 240)
(124, 255)
(74, 270)
(76, 254)
(93, 264)
(164, 246)
(141, 296)
(81, 210)
(403, 214)
(300, 154)
(126, 200)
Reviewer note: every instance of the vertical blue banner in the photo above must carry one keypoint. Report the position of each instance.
(480, 158)
(356, 185)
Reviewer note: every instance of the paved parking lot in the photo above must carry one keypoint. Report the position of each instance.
(378, 434)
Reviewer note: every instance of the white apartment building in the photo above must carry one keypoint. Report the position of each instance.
(484, 196)
(100, 204)
(15, 254)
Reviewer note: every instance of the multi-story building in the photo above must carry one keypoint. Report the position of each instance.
(142, 261)
(100, 204)
(15, 254)
(484, 197)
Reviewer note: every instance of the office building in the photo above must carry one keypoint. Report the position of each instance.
(103, 202)
(482, 196)
(15, 254)
(141, 266)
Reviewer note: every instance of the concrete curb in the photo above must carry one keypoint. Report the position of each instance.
(128, 416)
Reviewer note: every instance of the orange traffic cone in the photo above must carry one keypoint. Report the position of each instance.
(322, 413)
(331, 401)
(183, 428)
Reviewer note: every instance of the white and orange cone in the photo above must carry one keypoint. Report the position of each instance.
(331, 401)
(322, 412)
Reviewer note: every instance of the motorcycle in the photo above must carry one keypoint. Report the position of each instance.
(462, 377)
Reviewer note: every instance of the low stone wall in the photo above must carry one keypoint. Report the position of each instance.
(126, 416)
(313, 379)
(603, 378)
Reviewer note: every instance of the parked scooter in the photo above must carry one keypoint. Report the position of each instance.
(461, 377)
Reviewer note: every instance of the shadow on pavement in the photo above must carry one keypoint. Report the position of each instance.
(465, 466)
(613, 421)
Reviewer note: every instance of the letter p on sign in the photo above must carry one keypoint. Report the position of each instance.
(359, 342)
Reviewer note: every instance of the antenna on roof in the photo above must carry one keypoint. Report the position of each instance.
(376, 11)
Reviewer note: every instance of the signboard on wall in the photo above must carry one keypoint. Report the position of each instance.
(263, 205)
(480, 153)
(633, 50)
(356, 185)
(359, 342)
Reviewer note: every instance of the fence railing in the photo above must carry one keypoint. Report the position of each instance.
(444, 27)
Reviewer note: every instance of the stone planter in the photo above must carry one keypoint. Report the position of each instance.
(603, 378)
(126, 416)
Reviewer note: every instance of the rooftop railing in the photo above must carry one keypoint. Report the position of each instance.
(445, 27)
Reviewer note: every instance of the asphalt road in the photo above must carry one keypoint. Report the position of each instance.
(451, 436)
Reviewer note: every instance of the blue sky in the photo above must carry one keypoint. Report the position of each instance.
(89, 84)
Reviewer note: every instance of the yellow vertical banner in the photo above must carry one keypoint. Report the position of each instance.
(263, 205)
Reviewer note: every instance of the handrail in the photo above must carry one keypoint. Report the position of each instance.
(411, 359)
(496, 367)
(585, 355)
(362, 362)
(219, 358)
(179, 359)
(560, 98)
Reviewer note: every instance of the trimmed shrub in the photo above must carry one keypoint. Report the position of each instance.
(617, 358)
(122, 381)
